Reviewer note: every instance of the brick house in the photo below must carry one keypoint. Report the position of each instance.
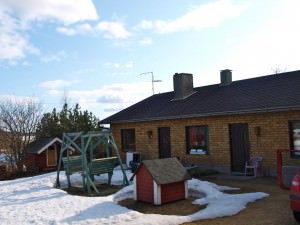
(216, 126)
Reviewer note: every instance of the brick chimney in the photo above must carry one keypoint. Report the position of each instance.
(226, 77)
(183, 85)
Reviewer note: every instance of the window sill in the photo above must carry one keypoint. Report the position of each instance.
(197, 152)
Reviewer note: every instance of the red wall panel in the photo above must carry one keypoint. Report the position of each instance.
(172, 192)
(144, 185)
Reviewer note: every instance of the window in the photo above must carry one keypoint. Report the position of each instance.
(128, 139)
(295, 137)
(197, 140)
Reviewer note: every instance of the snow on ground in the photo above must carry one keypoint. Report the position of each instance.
(3, 158)
(35, 201)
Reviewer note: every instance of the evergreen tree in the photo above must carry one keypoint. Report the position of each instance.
(68, 120)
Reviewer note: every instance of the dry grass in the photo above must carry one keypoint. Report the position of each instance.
(273, 210)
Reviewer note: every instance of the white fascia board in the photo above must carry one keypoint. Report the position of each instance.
(157, 193)
(134, 188)
(186, 189)
(49, 144)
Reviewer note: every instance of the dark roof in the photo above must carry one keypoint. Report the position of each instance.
(278, 92)
(165, 171)
(40, 145)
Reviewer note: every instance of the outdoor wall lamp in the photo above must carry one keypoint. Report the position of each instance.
(257, 131)
(150, 134)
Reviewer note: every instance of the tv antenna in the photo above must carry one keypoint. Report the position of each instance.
(153, 81)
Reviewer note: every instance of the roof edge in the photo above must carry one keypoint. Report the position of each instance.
(277, 109)
(49, 144)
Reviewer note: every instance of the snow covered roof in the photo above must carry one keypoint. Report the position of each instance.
(278, 92)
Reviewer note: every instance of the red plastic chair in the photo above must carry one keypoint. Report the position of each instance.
(254, 163)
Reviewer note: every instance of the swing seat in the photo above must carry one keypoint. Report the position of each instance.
(73, 164)
(102, 166)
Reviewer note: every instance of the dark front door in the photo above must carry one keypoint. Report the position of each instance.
(239, 146)
(164, 142)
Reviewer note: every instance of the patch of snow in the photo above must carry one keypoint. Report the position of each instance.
(35, 201)
(3, 157)
(4, 160)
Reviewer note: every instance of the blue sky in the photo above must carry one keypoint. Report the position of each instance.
(93, 52)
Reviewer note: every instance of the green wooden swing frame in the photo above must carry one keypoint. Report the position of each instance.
(85, 143)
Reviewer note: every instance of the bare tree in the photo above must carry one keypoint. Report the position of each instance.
(19, 119)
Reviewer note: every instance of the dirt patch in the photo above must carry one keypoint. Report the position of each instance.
(104, 190)
(182, 207)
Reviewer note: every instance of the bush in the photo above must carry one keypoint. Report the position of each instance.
(197, 172)
(32, 170)
(3, 172)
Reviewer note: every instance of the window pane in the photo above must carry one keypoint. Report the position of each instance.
(197, 137)
(128, 139)
(295, 136)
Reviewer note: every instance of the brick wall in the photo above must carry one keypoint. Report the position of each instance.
(274, 134)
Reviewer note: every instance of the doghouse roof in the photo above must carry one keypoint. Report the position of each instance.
(165, 171)
(40, 145)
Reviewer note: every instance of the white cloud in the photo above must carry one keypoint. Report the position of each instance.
(17, 98)
(110, 30)
(81, 29)
(57, 57)
(129, 65)
(67, 11)
(25, 63)
(113, 109)
(54, 92)
(14, 44)
(109, 98)
(16, 18)
(85, 71)
(145, 41)
(112, 65)
(123, 95)
(274, 45)
(67, 31)
(146, 24)
(113, 30)
(54, 84)
(198, 18)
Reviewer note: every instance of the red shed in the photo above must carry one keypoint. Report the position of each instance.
(160, 181)
(43, 154)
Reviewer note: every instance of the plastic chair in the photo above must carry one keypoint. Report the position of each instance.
(254, 164)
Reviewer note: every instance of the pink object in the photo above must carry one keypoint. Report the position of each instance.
(254, 164)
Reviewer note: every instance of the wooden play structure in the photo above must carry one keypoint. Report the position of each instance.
(84, 162)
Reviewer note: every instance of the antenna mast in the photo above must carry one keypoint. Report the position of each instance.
(153, 81)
